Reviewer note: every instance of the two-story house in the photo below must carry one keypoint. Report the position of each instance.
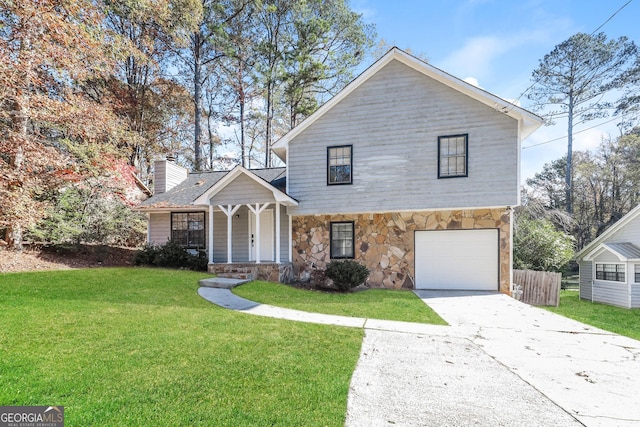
(408, 170)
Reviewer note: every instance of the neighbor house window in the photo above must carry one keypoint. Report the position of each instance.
(341, 236)
(339, 161)
(637, 278)
(187, 229)
(452, 156)
(611, 272)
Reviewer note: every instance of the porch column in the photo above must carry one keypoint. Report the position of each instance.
(256, 241)
(210, 234)
(229, 211)
(278, 232)
(290, 239)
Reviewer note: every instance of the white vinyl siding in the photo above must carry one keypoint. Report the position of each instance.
(243, 190)
(606, 257)
(586, 277)
(614, 293)
(629, 233)
(167, 175)
(219, 237)
(635, 296)
(160, 227)
(285, 233)
(393, 122)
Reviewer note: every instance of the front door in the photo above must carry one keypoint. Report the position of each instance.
(266, 236)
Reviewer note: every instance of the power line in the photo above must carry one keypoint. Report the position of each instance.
(611, 17)
(594, 31)
(575, 133)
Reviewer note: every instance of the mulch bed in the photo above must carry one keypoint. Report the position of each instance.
(59, 257)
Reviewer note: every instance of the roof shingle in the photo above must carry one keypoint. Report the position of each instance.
(183, 194)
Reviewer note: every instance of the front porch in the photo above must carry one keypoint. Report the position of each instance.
(249, 229)
(269, 271)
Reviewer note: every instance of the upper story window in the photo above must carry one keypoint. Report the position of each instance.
(611, 272)
(342, 239)
(453, 156)
(339, 160)
(187, 229)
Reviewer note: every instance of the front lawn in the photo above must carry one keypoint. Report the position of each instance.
(134, 347)
(622, 321)
(372, 303)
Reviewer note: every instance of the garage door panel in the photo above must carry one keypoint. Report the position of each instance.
(457, 259)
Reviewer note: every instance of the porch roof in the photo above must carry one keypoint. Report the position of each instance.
(624, 251)
(182, 196)
(260, 186)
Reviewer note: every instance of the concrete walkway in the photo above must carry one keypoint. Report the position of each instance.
(500, 362)
(225, 298)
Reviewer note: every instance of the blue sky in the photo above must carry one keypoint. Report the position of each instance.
(499, 43)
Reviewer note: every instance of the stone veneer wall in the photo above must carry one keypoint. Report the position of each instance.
(384, 243)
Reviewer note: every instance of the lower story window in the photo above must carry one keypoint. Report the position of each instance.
(611, 272)
(637, 278)
(187, 229)
(341, 239)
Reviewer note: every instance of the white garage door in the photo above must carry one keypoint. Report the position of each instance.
(457, 259)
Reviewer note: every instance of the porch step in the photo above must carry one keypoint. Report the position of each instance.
(242, 276)
(222, 282)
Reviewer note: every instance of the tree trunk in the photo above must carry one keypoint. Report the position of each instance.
(267, 139)
(19, 127)
(210, 135)
(243, 147)
(197, 101)
(568, 174)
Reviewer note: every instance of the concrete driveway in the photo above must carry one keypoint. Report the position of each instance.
(591, 374)
(499, 363)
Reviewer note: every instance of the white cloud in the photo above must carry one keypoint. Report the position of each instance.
(363, 7)
(475, 57)
(472, 81)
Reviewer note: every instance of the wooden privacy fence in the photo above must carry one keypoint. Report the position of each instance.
(537, 287)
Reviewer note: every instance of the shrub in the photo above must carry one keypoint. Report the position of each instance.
(89, 215)
(537, 245)
(199, 262)
(172, 255)
(346, 275)
(145, 256)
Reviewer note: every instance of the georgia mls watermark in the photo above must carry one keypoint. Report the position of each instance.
(31, 416)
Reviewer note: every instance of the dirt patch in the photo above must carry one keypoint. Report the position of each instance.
(65, 257)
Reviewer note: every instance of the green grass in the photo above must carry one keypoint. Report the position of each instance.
(134, 347)
(622, 321)
(373, 303)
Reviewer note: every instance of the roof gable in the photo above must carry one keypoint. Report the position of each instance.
(183, 195)
(623, 251)
(232, 176)
(528, 121)
(632, 215)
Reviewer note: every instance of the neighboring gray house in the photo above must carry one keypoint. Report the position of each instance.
(610, 264)
(408, 170)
